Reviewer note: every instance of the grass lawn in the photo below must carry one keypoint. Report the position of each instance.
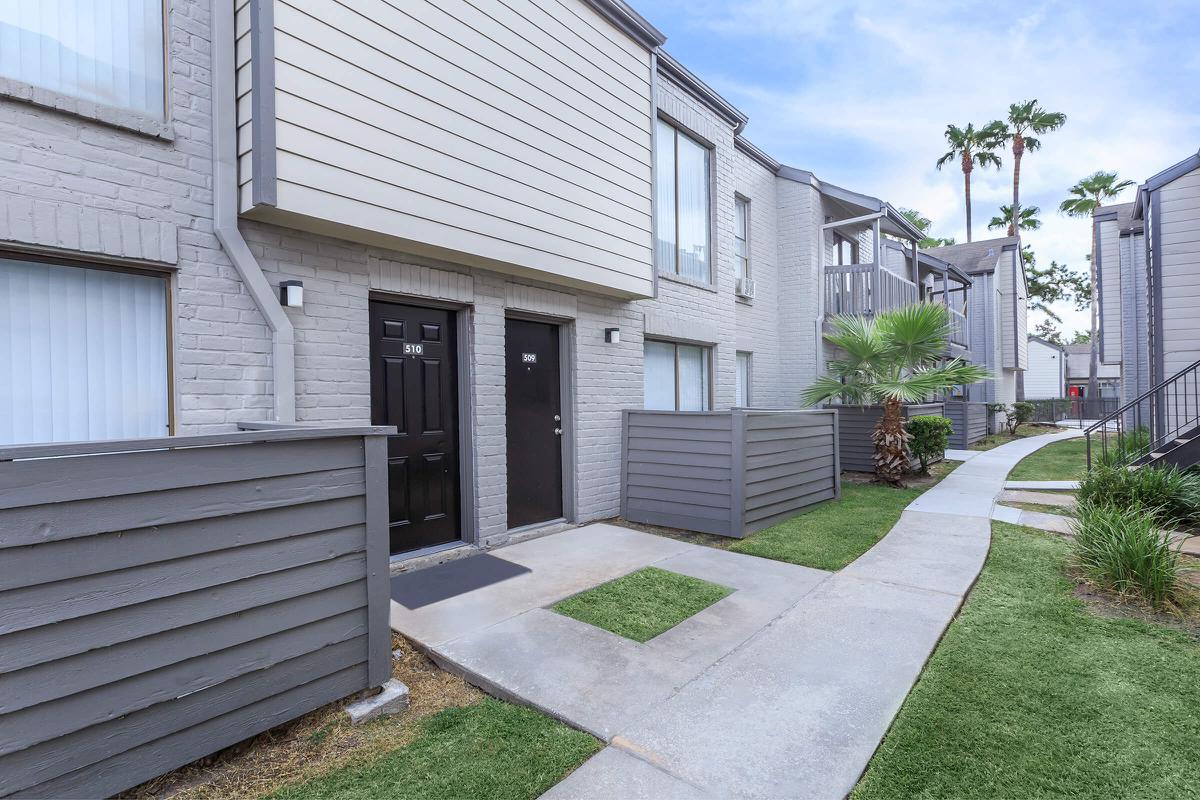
(832, 535)
(643, 604)
(1059, 461)
(1023, 432)
(1031, 695)
(488, 750)
(1040, 507)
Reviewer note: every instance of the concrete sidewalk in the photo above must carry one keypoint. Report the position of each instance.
(782, 689)
(798, 710)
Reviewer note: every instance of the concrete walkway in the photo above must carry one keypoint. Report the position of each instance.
(783, 689)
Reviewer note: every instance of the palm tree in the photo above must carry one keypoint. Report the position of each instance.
(924, 224)
(973, 148)
(1029, 219)
(1087, 195)
(892, 358)
(1027, 121)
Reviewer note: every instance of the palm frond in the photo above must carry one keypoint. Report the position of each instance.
(914, 335)
(826, 388)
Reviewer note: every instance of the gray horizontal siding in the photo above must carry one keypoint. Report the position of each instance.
(969, 420)
(856, 425)
(164, 602)
(729, 473)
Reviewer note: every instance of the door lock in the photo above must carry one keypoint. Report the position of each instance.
(557, 418)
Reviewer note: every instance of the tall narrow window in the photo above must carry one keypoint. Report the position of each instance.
(677, 377)
(741, 237)
(105, 51)
(682, 208)
(742, 396)
(83, 354)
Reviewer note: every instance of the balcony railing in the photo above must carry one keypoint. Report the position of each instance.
(864, 289)
(958, 329)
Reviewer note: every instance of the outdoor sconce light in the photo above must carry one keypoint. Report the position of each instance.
(291, 294)
(612, 335)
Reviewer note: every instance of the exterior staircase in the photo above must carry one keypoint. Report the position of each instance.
(1160, 426)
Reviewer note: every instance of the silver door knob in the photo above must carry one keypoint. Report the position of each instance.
(557, 418)
(558, 431)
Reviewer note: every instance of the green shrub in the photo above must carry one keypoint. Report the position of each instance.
(1124, 447)
(930, 435)
(1123, 549)
(1170, 495)
(1020, 413)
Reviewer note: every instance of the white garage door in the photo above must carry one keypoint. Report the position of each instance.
(83, 354)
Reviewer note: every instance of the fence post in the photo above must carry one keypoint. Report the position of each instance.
(379, 595)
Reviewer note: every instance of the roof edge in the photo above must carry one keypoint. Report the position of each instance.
(623, 16)
(755, 152)
(1160, 179)
(673, 69)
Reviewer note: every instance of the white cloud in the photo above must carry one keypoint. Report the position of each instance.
(880, 80)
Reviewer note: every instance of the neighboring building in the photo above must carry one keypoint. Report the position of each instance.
(997, 312)
(1079, 358)
(1148, 260)
(495, 242)
(1046, 376)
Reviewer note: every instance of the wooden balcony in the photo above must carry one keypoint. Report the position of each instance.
(960, 334)
(866, 289)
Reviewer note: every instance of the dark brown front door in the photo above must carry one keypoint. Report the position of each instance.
(414, 387)
(534, 422)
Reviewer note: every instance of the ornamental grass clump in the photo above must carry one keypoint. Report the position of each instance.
(1124, 550)
(1125, 447)
(1167, 494)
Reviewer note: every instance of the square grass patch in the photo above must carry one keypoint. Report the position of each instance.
(643, 604)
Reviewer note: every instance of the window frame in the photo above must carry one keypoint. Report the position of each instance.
(99, 263)
(838, 239)
(741, 209)
(677, 131)
(117, 116)
(748, 391)
(706, 352)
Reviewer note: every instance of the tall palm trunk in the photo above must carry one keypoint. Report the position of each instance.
(967, 166)
(892, 455)
(1018, 151)
(1094, 362)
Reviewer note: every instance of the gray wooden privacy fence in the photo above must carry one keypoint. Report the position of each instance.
(970, 420)
(162, 599)
(726, 472)
(857, 424)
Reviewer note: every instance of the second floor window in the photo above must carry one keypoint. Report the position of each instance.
(681, 191)
(107, 52)
(741, 237)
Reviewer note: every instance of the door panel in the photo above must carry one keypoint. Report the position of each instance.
(533, 395)
(414, 387)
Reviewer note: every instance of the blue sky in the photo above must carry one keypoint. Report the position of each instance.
(861, 92)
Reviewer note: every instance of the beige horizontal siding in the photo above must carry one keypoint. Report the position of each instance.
(1179, 255)
(515, 132)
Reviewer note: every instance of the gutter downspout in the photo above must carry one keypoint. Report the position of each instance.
(225, 216)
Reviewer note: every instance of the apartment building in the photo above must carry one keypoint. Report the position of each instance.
(1147, 260)
(1046, 376)
(998, 304)
(494, 226)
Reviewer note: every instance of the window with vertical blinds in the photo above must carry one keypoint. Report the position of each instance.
(83, 354)
(677, 377)
(681, 204)
(105, 51)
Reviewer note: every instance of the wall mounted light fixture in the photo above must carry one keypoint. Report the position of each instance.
(612, 335)
(291, 294)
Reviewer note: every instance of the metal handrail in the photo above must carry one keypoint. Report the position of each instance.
(1167, 415)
